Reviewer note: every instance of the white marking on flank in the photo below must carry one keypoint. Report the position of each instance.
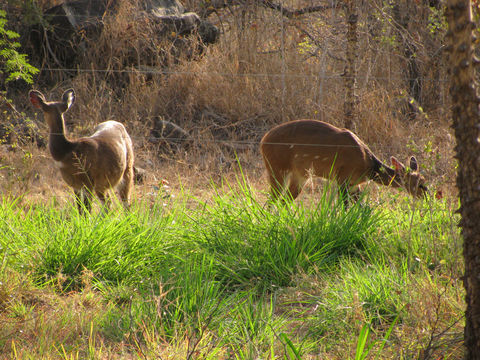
(59, 164)
(106, 126)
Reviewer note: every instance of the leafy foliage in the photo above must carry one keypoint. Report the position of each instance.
(13, 64)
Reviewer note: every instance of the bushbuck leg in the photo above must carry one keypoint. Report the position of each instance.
(296, 185)
(83, 200)
(126, 184)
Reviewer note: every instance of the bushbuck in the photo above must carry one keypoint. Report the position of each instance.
(90, 165)
(294, 149)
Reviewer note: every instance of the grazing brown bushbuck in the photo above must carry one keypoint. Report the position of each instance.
(90, 165)
(294, 149)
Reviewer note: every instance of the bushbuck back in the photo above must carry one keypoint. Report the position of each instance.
(90, 165)
(293, 150)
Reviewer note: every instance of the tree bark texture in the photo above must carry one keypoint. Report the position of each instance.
(466, 123)
(350, 74)
(401, 13)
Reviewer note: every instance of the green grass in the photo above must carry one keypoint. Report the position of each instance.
(228, 278)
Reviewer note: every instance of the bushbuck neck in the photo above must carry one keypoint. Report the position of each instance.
(294, 150)
(58, 144)
(383, 174)
(400, 176)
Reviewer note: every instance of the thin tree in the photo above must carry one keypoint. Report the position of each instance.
(350, 73)
(466, 123)
(403, 11)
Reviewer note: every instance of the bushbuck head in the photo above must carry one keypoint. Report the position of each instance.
(52, 110)
(90, 165)
(409, 178)
(296, 149)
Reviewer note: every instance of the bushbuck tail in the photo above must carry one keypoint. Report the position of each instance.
(294, 150)
(90, 165)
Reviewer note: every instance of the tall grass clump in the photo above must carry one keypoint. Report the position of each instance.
(419, 235)
(117, 246)
(249, 244)
(263, 246)
(378, 294)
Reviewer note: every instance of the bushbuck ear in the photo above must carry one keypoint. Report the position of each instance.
(36, 98)
(399, 167)
(68, 97)
(413, 163)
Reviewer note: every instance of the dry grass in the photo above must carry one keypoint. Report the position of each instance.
(258, 75)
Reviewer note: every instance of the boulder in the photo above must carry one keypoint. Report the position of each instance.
(73, 25)
(169, 137)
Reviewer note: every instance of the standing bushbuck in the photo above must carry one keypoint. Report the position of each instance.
(90, 165)
(293, 150)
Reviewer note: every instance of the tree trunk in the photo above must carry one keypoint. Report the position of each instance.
(401, 14)
(466, 123)
(350, 74)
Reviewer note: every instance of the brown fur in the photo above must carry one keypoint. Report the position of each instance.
(293, 149)
(90, 165)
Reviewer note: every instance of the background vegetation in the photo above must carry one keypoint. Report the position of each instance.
(199, 268)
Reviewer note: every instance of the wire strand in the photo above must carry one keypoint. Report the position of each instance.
(208, 140)
(225, 74)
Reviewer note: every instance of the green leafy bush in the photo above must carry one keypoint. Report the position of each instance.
(13, 65)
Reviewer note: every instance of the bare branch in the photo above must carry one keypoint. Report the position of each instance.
(318, 43)
(293, 13)
(289, 13)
